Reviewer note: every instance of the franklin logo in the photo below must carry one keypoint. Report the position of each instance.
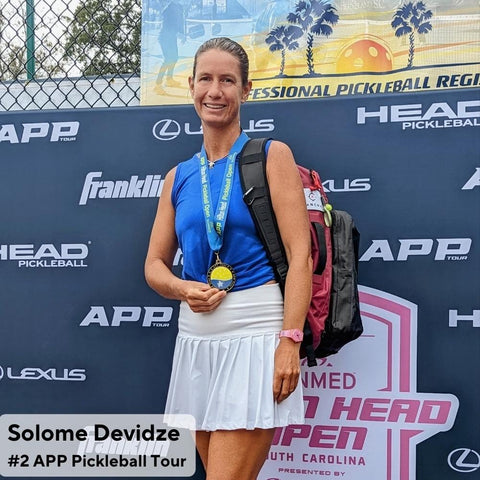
(464, 460)
(166, 129)
(134, 187)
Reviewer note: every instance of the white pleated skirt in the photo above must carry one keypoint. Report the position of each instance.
(223, 363)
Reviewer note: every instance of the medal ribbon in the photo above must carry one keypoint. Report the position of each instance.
(215, 223)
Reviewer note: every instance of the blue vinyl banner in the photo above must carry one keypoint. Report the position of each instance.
(81, 332)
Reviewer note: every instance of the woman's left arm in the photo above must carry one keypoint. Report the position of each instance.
(288, 201)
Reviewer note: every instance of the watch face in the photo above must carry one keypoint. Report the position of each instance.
(297, 336)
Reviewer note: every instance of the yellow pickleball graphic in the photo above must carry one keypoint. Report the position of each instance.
(221, 273)
(365, 54)
(221, 277)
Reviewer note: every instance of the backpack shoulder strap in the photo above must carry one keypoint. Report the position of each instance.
(256, 194)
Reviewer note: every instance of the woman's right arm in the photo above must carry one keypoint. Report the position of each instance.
(161, 252)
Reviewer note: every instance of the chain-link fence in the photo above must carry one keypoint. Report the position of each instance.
(69, 53)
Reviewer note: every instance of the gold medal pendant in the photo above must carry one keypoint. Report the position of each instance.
(221, 275)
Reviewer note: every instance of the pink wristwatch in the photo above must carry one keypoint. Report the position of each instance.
(295, 334)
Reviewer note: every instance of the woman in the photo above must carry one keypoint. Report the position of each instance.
(173, 22)
(232, 369)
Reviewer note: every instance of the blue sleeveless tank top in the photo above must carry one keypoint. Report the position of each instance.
(242, 248)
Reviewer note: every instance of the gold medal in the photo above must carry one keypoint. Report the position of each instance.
(221, 275)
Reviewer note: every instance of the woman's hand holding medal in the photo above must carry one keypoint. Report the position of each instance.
(201, 297)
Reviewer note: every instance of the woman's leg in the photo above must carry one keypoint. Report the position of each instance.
(236, 454)
(202, 440)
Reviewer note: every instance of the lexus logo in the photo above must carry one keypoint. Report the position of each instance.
(166, 129)
(464, 460)
(1, 373)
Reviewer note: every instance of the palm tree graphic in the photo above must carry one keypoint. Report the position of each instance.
(315, 17)
(283, 38)
(410, 18)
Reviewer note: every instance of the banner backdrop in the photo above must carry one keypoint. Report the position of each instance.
(315, 48)
(81, 332)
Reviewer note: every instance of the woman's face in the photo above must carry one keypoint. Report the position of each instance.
(217, 89)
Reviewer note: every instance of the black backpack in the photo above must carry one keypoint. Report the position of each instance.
(334, 317)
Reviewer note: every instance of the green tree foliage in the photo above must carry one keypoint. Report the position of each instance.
(11, 55)
(13, 51)
(103, 37)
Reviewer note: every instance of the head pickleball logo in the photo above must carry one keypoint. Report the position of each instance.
(364, 416)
